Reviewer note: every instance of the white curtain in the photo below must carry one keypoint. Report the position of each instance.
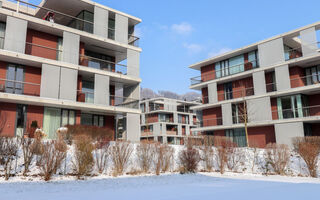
(51, 121)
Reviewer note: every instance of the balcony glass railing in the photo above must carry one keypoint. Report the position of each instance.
(19, 87)
(211, 122)
(43, 51)
(133, 40)
(303, 112)
(85, 96)
(125, 102)
(291, 53)
(228, 71)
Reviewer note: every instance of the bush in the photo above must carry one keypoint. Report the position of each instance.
(222, 145)
(235, 157)
(8, 153)
(28, 146)
(146, 155)
(308, 148)
(51, 159)
(94, 132)
(277, 155)
(164, 158)
(83, 159)
(207, 153)
(189, 159)
(120, 155)
(101, 155)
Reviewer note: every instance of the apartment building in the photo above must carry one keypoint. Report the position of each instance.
(167, 120)
(65, 63)
(273, 85)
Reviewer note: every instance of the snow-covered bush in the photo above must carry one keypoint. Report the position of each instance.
(277, 156)
(120, 155)
(189, 159)
(101, 154)
(146, 155)
(8, 153)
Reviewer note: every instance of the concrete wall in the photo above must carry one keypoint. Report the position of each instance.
(50, 81)
(179, 129)
(309, 41)
(68, 84)
(133, 127)
(71, 46)
(121, 33)
(212, 93)
(282, 78)
(101, 18)
(143, 118)
(101, 89)
(133, 63)
(259, 83)
(286, 131)
(271, 52)
(226, 114)
(170, 105)
(16, 34)
(259, 109)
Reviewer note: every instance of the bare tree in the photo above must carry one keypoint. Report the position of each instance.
(189, 159)
(243, 117)
(207, 152)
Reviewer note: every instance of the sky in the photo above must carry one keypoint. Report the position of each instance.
(177, 33)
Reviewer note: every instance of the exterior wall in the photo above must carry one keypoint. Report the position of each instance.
(212, 93)
(133, 63)
(8, 119)
(282, 77)
(37, 39)
(121, 32)
(15, 36)
(35, 113)
(227, 114)
(259, 82)
(261, 136)
(297, 75)
(274, 108)
(209, 116)
(133, 127)
(101, 89)
(32, 75)
(152, 118)
(309, 41)
(3, 73)
(287, 131)
(71, 46)
(314, 100)
(271, 52)
(68, 84)
(259, 109)
(208, 73)
(50, 81)
(101, 17)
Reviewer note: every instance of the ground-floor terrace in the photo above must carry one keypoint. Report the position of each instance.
(19, 119)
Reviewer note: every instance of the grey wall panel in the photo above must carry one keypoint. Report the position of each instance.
(187, 130)
(68, 84)
(147, 109)
(309, 41)
(179, 129)
(285, 132)
(191, 119)
(133, 63)
(212, 92)
(133, 127)
(71, 45)
(16, 35)
(50, 81)
(259, 109)
(121, 33)
(143, 118)
(156, 129)
(282, 78)
(175, 117)
(271, 52)
(259, 83)
(133, 95)
(101, 18)
(101, 89)
(226, 114)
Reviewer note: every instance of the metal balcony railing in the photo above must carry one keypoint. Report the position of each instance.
(228, 71)
(133, 40)
(85, 96)
(271, 87)
(43, 51)
(297, 52)
(236, 94)
(303, 112)
(125, 102)
(19, 87)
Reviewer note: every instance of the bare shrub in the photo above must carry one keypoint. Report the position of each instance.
(120, 155)
(164, 158)
(101, 155)
(83, 161)
(8, 153)
(308, 148)
(146, 155)
(52, 156)
(189, 159)
(207, 153)
(28, 150)
(277, 156)
(254, 146)
(222, 144)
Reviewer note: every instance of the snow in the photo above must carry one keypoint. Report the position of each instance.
(175, 186)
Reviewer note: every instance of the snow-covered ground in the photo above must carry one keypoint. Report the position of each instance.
(195, 186)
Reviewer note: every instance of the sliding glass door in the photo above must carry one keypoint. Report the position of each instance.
(51, 121)
(2, 34)
(292, 106)
(15, 77)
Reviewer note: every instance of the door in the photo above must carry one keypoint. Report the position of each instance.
(228, 91)
(14, 82)
(21, 118)
(51, 121)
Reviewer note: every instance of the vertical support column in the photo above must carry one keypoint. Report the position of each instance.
(227, 114)
(175, 117)
(259, 109)
(179, 129)
(309, 41)
(133, 127)
(122, 25)
(271, 52)
(143, 118)
(71, 45)
(133, 63)
(187, 130)
(156, 129)
(282, 78)
(101, 90)
(147, 107)
(259, 83)
(50, 81)
(68, 84)
(191, 119)
(101, 18)
(16, 35)
(212, 93)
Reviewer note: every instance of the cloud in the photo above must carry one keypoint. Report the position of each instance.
(193, 48)
(182, 28)
(219, 52)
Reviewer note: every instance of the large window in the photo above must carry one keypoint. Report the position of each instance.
(228, 91)
(84, 21)
(222, 68)
(68, 117)
(21, 120)
(88, 90)
(2, 34)
(51, 121)
(237, 136)
(92, 120)
(313, 75)
(292, 106)
(15, 78)
(102, 61)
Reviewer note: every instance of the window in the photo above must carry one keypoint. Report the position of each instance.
(235, 113)
(111, 30)
(236, 64)
(287, 51)
(15, 78)
(313, 75)
(2, 34)
(88, 90)
(222, 68)
(21, 120)
(231, 66)
(228, 91)
(253, 58)
(68, 117)
(237, 136)
(92, 120)
(59, 48)
(292, 107)
(84, 21)
(51, 121)
(180, 119)
(143, 107)
(103, 62)
(162, 118)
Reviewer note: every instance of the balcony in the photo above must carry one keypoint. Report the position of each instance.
(167, 120)
(146, 133)
(124, 102)
(222, 96)
(292, 53)
(19, 87)
(43, 51)
(228, 71)
(85, 96)
(271, 87)
(211, 122)
(304, 112)
(133, 40)
(170, 132)
(155, 107)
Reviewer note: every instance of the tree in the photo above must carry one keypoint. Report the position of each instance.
(3, 120)
(243, 117)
